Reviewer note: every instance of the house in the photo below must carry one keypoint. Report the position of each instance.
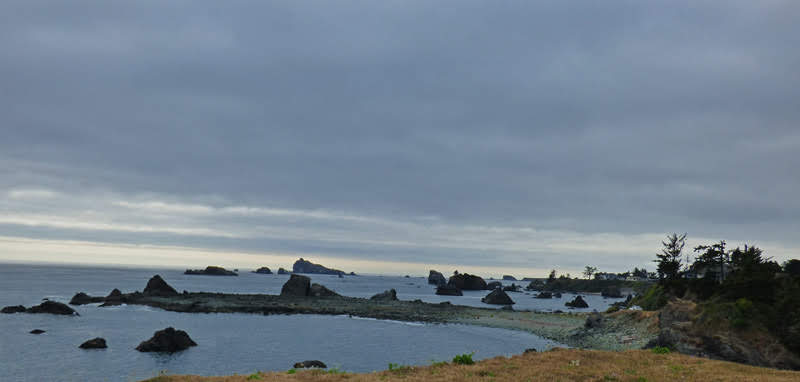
(699, 271)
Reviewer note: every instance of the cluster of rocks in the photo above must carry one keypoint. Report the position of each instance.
(465, 281)
(48, 307)
(211, 271)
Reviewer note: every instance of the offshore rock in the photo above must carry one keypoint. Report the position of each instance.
(296, 286)
(156, 286)
(168, 340)
(94, 343)
(448, 290)
(497, 297)
(578, 302)
(305, 266)
(318, 290)
(211, 271)
(52, 307)
(466, 281)
(311, 363)
(263, 271)
(436, 278)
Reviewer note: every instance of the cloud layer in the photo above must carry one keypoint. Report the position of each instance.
(510, 134)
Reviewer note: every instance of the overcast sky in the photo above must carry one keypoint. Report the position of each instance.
(392, 135)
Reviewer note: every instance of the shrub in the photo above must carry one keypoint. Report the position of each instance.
(291, 371)
(661, 350)
(464, 359)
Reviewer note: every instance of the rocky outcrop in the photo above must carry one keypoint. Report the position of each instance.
(13, 309)
(466, 281)
(309, 364)
(509, 278)
(52, 307)
(389, 295)
(497, 297)
(682, 329)
(544, 295)
(436, 278)
(494, 285)
(168, 340)
(156, 286)
(317, 290)
(81, 298)
(305, 266)
(211, 271)
(296, 286)
(37, 331)
(263, 271)
(578, 302)
(114, 298)
(448, 290)
(594, 321)
(282, 271)
(611, 291)
(94, 343)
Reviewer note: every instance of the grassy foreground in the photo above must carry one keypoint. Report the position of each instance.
(555, 365)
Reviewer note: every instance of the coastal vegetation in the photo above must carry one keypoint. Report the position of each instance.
(554, 365)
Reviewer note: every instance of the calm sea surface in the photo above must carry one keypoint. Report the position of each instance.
(230, 343)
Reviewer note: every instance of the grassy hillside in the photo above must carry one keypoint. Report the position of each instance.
(556, 365)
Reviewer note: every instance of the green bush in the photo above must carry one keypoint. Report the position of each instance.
(464, 359)
(291, 371)
(660, 350)
(653, 299)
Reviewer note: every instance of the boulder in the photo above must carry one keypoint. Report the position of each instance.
(494, 285)
(168, 340)
(544, 295)
(436, 278)
(156, 286)
(509, 278)
(296, 286)
(81, 298)
(611, 291)
(94, 343)
(594, 320)
(305, 266)
(317, 290)
(282, 271)
(497, 297)
(13, 309)
(448, 290)
(52, 307)
(578, 302)
(263, 271)
(466, 281)
(311, 363)
(211, 271)
(389, 295)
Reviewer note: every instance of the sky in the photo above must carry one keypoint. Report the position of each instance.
(394, 136)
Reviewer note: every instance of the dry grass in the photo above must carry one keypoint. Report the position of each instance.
(556, 365)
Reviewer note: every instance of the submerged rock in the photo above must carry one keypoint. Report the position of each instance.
(436, 278)
(156, 286)
(52, 307)
(389, 295)
(466, 281)
(37, 331)
(211, 271)
(448, 290)
(263, 271)
(94, 343)
(296, 286)
(168, 340)
(317, 290)
(13, 309)
(305, 266)
(311, 363)
(578, 302)
(497, 297)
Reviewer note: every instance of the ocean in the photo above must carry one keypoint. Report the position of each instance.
(231, 343)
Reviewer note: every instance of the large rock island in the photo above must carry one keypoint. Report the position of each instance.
(211, 271)
(305, 266)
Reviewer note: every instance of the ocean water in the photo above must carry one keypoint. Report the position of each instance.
(229, 343)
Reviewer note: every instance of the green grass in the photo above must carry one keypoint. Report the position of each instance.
(464, 359)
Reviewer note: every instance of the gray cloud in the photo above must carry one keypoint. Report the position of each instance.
(627, 119)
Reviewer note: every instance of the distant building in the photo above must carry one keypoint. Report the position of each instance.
(699, 271)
